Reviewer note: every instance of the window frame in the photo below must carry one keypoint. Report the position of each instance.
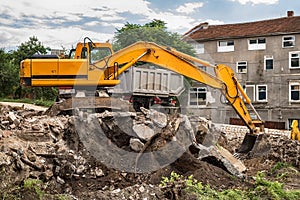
(257, 45)
(268, 57)
(257, 93)
(197, 98)
(239, 64)
(294, 83)
(228, 47)
(290, 59)
(292, 40)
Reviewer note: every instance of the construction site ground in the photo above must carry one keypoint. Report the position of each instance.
(35, 146)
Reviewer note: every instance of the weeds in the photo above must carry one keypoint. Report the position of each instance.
(263, 189)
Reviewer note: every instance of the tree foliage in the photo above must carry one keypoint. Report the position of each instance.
(154, 31)
(9, 71)
(9, 74)
(28, 49)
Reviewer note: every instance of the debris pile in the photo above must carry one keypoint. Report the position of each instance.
(119, 154)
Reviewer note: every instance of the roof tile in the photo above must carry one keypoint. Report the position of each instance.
(279, 26)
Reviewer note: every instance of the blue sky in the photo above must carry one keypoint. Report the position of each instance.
(60, 23)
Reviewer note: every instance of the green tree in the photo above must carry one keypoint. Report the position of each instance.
(9, 71)
(8, 74)
(154, 31)
(28, 49)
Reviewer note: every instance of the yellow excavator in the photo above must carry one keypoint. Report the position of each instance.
(94, 66)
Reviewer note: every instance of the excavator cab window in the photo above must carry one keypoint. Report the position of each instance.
(99, 53)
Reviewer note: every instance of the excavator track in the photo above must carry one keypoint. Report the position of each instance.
(88, 104)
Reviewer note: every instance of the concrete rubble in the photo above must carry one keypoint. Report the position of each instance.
(49, 148)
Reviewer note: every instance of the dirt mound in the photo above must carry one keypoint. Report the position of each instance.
(70, 153)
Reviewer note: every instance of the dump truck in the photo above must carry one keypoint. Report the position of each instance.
(95, 68)
(156, 87)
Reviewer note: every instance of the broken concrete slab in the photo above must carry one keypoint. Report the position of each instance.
(143, 132)
(217, 154)
(13, 119)
(158, 118)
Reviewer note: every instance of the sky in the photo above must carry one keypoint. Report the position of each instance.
(61, 24)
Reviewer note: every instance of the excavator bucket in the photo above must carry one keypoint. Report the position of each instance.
(254, 145)
(247, 144)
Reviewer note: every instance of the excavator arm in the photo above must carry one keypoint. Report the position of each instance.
(183, 64)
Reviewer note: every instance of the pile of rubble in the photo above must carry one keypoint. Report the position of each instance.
(115, 154)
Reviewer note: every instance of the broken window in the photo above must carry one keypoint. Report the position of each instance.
(288, 41)
(241, 67)
(268, 62)
(261, 93)
(294, 59)
(197, 96)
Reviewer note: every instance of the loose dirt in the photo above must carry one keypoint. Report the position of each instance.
(34, 145)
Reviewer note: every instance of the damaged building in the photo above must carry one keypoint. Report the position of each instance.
(265, 57)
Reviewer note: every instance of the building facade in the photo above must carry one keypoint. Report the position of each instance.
(265, 56)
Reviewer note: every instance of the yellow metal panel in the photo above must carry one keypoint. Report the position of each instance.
(73, 67)
(43, 67)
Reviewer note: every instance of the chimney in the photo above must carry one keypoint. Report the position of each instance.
(290, 13)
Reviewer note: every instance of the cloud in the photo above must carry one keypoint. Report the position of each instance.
(253, 2)
(75, 10)
(59, 22)
(53, 38)
(189, 7)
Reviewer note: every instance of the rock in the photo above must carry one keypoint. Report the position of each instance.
(80, 169)
(46, 175)
(143, 132)
(136, 144)
(158, 118)
(6, 133)
(224, 158)
(5, 159)
(99, 172)
(36, 127)
(4, 122)
(60, 180)
(13, 119)
(142, 189)
(116, 191)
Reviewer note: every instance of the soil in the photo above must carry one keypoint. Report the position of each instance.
(34, 145)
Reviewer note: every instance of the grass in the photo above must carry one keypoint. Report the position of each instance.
(31, 189)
